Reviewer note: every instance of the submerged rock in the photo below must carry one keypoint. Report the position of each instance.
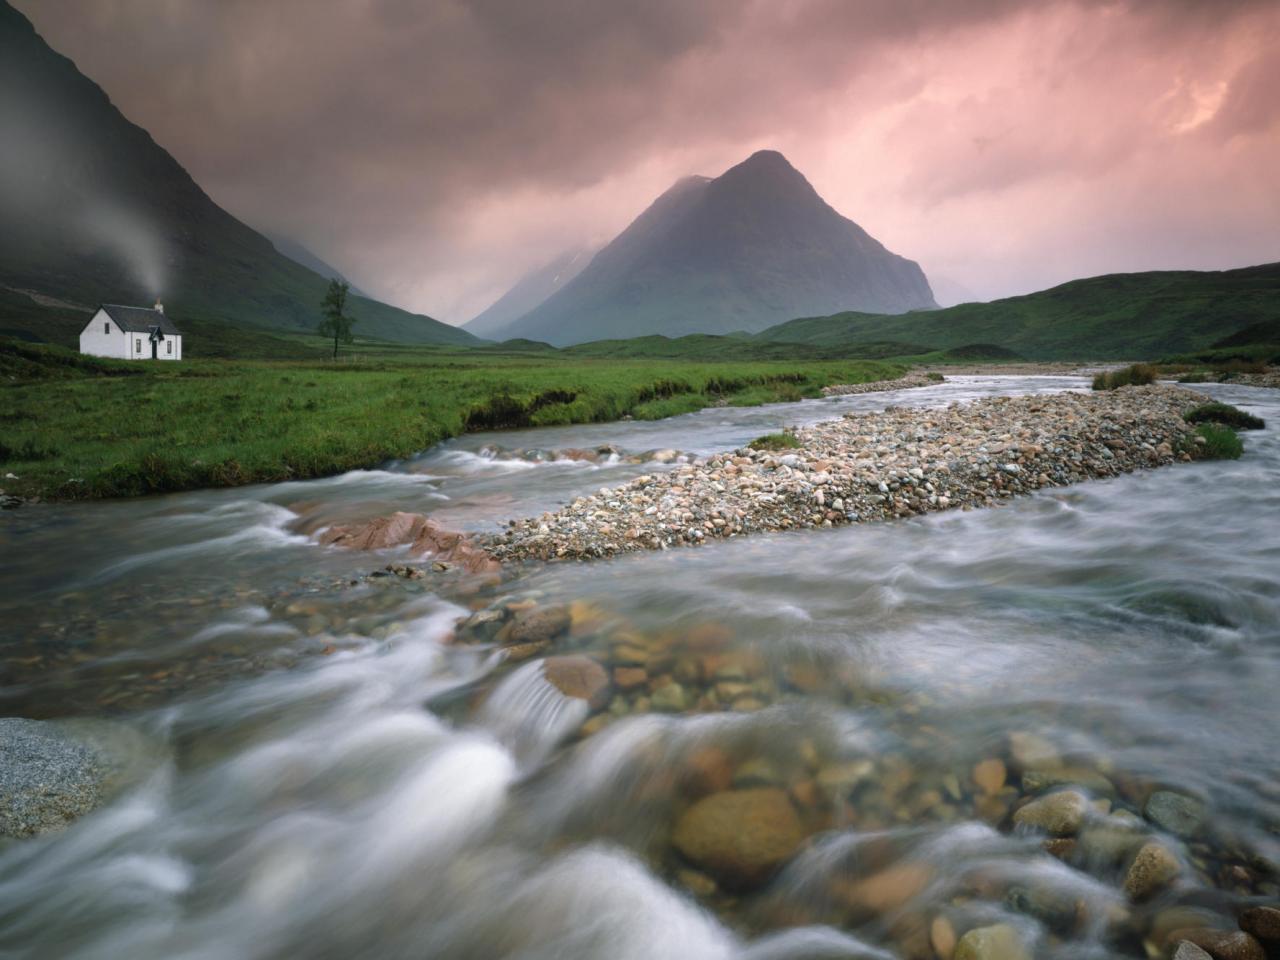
(1175, 812)
(47, 779)
(1223, 944)
(55, 771)
(1153, 868)
(740, 837)
(1060, 814)
(999, 941)
(1263, 923)
(578, 677)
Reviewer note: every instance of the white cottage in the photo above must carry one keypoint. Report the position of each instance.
(131, 333)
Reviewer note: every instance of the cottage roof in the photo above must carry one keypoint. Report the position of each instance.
(140, 319)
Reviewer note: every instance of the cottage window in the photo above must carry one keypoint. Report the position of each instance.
(137, 345)
(106, 327)
(168, 346)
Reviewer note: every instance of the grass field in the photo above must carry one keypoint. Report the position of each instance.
(71, 430)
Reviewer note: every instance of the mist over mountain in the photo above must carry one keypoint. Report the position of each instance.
(95, 210)
(298, 253)
(530, 291)
(748, 249)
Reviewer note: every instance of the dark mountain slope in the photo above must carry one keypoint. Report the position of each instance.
(1121, 316)
(94, 210)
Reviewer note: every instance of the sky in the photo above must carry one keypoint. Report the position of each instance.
(435, 151)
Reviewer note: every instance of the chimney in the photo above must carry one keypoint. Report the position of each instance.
(159, 307)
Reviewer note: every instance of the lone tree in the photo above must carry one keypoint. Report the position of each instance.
(336, 323)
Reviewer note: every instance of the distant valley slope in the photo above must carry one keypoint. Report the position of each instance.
(1124, 316)
(94, 210)
(530, 291)
(737, 253)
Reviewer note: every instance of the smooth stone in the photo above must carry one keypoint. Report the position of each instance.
(580, 678)
(1175, 812)
(669, 698)
(539, 625)
(757, 772)
(891, 888)
(1263, 923)
(1060, 814)
(1189, 951)
(990, 775)
(999, 941)
(1153, 868)
(942, 937)
(740, 837)
(1030, 751)
(1223, 944)
(1037, 781)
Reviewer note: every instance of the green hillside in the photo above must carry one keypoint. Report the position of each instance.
(1121, 316)
(96, 211)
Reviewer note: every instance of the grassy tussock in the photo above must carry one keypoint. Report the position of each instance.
(1224, 414)
(775, 441)
(1212, 441)
(1134, 376)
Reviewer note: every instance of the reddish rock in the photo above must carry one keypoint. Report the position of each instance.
(1263, 923)
(628, 678)
(1223, 944)
(578, 677)
(422, 535)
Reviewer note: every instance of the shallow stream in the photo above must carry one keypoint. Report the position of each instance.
(328, 776)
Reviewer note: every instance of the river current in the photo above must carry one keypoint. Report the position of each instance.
(320, 773)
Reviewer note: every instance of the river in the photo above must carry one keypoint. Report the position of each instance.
(323, 775)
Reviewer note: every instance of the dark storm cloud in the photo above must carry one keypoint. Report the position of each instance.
(433, 149)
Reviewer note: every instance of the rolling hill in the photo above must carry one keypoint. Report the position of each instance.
(735, 253)
(1119, 316)
(95, 210)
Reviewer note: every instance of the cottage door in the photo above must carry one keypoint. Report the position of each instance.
(154, 348)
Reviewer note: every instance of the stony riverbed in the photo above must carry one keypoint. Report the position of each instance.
(870, 466)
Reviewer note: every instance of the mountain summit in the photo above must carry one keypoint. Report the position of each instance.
(748, 249)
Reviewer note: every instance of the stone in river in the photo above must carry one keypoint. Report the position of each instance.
(1189, 951)
(999, 941)
(669, 698)
(578, 677)
(1060, 814)
(1035, 781)
(1175, 812)
(989, 775)
(47, 779)
(1033, 752)
(1223, 944)
(628, 678)
(1153, 868)
(1263, 923)
(740, 837)
(942, 937)
(539, 625)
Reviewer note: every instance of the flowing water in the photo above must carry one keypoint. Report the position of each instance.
(326, 775)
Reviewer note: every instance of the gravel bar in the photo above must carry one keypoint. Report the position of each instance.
(882, 465)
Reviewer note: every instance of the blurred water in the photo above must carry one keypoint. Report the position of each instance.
(333, 778)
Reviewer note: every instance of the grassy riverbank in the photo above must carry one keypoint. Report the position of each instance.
(108, 430)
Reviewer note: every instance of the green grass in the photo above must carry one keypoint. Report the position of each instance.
(1113, 317)
(1136, 375)
(192, 424)
(775, 441)
(1220, 443)
(1224, 414)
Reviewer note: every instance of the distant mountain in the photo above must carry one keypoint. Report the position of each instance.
(750, 248)
(530, 291)
(1123, 316)
(94, 210)
(300, 254)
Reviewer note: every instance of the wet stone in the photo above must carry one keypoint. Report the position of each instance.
(740, 837)
(539, 625)
(997, 942)
(1223, 944)
(580, 678)
(47, 778)
(1175, 812)
(1153, 868)
(1263, 923)
(1060, 814)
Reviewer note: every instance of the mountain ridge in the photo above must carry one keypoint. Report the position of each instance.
(716, 255)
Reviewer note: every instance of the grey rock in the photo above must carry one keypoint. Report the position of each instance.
(47, 778)
(1189, 951)
(1175, 812)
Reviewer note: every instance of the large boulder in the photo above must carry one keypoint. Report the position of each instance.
(422, 535)
(1060, 814)
(740, 837)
